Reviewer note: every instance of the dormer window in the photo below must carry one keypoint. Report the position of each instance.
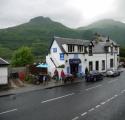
(116, 48)
(80, 48)
(106, 49)
(71, 48)
(90, 50)
(85, 49)
(111, 50)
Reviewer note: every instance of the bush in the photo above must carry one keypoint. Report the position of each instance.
(61, 66)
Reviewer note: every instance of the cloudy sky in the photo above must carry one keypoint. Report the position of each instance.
(72, 13)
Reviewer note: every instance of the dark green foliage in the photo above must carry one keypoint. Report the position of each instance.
(114, 29)
(22, 57)
(38, 34)
(122, 52)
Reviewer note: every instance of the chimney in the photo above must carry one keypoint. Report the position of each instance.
(108, 39)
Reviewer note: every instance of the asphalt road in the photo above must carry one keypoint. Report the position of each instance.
(103, 100)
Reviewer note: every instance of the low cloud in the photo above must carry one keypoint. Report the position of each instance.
(13, 12)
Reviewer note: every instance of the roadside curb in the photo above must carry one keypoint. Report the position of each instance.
(6, 95)
(47, 87)
(63, 85)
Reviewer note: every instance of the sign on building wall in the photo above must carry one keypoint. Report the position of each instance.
(61, 56)
(54, 49)
(74, 61)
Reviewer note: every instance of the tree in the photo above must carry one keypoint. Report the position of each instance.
(22, 57)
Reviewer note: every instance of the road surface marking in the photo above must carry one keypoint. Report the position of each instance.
(112, 98)
(115, 96)
(93, 87)
(75, 118)
(97, 106)
(83, 114)
(102, 103)
(113, 81)
(91, 109)
(57, 98)
(108, 100)
(122, 91)
(8, 111)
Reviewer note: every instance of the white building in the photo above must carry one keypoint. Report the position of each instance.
(99, 54)
(3, 72)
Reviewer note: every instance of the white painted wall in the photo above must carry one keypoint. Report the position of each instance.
(55, 56)
(3, 75)
(84, 63)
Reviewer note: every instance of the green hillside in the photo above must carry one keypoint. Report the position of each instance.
(114, 29)
(38, 34)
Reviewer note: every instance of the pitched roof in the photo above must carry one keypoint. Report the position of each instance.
(3, 62)
(97, 48)
(60, 41)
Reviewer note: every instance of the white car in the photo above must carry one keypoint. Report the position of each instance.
(112, 73)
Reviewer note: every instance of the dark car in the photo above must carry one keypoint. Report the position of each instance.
(94, 76)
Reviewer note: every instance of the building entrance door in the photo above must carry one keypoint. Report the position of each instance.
(74, 68)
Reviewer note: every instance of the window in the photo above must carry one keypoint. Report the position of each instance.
(54, 50)
(106, 49)
(116, 48)
(111, 50)
(68, 70)
(61, 56)
(80, 69)
(111, 63)
(90, 66)
(71, 48)
(80, 48)
(103, 64)
(97, 65)
(90, 50)
(85, 49)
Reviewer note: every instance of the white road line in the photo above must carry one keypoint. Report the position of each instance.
(111, 98)
(75, 118)
(8, 111)
(93, 87)
(115, 96)
(57, 98)
(97, 106)
(108, 100)
(83, 114)
(91, 109)
(102, 103)
(112, 81)
(122, 91)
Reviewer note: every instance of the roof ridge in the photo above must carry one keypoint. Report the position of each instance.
(4, 60)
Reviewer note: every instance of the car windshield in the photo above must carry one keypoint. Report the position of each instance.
(93, 72)
(112, 69)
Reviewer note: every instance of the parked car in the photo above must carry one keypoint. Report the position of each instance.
(112, 73)
(94, 76)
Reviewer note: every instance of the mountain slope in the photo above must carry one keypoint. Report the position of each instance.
(37, 34)
(104, 24)
(114, 29)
